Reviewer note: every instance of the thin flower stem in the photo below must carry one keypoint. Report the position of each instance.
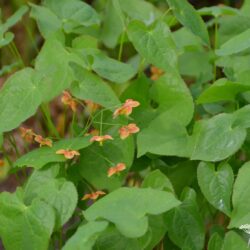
(50, 125)
(18, 55)
(112, 124)
(101, 123)
(13, 144)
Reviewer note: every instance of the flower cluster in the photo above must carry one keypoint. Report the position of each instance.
(29, 136)
(156, 73)
(68, 100)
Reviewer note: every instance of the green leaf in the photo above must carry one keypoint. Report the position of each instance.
(235, 45)
(222, 90)
(188, 17)
(73, 13)
(112, 239)
(25, 227)
(133, 204)
(155, 44)
(217, 11)
(112, 69)
(15, 18)
(48, 23)
(157, 180)
(6, 39)
(19, 99)
(91, 87)
(216, 138)
(44, 155)
(113, 24)
(85, 236)
(53, 72)
(215, 242)
(93, 164)
(241, 198)
(139, 10)
(184, 223)
(216, 186)
(58, 193)
(233, 241)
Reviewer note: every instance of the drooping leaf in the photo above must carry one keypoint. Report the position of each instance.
(189, 18)
(235, 45)
(91, 87)
(25, 227)
(222, 90)
(58, 193)
(113, 24)
(154, 43)
(217, 11)
(48, 23)
(133, 204)
(216, 186)
(53, 72)
(157, 180)
(216, 139)
(44, 155)
(184, 223)
(19, 99)
(6, 39)
(215, 242)
(85, 236)
(241, 197)
(234, 241)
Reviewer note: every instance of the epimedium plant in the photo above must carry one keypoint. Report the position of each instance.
(152, 151)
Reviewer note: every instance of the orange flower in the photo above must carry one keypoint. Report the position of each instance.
(91, 106)
(68, 100)
(1, 163)
(101, 138)
(93, 196)
(27, 134)
(117, 169)
(43, 141)
(125, 131)
(68, 154)
(126, 108)
(156, 73)
(93, 132)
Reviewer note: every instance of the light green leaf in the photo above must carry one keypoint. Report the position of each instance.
(215, 242)
(157, 180)
(155, 44)
(44, 155)
(58, 193)
(233, 241)
(25, 227)
(113, 24)
(19, 99)
(189, 17)
(112, 69)
(216, 138)
(6, 39)
(235, 45)
(185, 225)
(133, 204)
(53, 72)
(91, 87)
(222, 90)
(139, 10)
(241, 198)
(216, 186)
(48, 23)
(217, 11)
(85, 236)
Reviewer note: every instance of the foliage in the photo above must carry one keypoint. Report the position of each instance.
(141, 111)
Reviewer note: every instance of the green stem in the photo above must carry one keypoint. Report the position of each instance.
(215, 45)
(18, 55)
(121, 46)
(50, 125)
(101, 123)
(13, 144)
